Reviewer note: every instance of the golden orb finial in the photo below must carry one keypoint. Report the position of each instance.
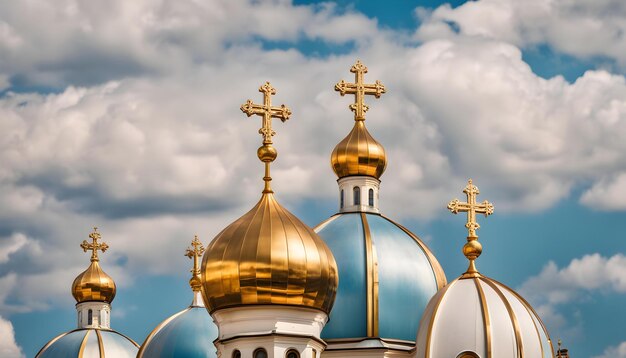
(359, 153)
(472, 249)
(94, 284)
(194, 252)
(266, 153)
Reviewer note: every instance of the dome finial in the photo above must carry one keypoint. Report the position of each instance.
(95, 245)
(93, 284)
(359, 90)
(266, 153)
(472, 248)
(195, 251)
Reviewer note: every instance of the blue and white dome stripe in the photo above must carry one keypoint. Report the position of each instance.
(90, 343)
(386, 275)
(189, 333)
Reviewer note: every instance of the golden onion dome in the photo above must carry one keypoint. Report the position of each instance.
(359, 154)
(94, 284)
(268, 256)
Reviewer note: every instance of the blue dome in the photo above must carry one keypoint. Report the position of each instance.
(90, 343)
(386, 277)
(189, 333)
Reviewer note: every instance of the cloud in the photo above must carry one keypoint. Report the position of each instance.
(591, 273)
(607, 194)
(579, 28)
(86, 43)
(8, 346)
(614, 352)
(555, 287)
(145, 138)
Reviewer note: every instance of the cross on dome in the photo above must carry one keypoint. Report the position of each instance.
(471, 208)
(266, 153)
(472, 249)
(266, 111)
(195, 252)
(95, 245)
(359, 90)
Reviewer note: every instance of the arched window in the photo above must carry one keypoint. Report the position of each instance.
(89, 317)
(292, 353)
(259, 353)
(371, 197)
(341, 200)
(236, 354)
(356, 194)
(468, 354)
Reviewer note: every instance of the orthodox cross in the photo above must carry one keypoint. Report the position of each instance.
(266, 153)
(471, 207)
(266, 111)
(194, 252)
(360, 89)
(95, 245)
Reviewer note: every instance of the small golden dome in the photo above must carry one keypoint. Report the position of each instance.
(359, 154)
(268, 256)
(93, 284)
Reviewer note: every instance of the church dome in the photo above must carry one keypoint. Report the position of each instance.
(90, 343)
(387, 274)
(268, 256)
(478, 315)
(94, 284)
(359, 154)
(189, 333)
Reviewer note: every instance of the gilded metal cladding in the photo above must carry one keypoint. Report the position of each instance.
(80, 343)
(359, 154)
(94, 284)
(472, 248)
(268, 256)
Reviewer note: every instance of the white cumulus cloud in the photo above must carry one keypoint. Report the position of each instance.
(8, 346)
(576, 27)
(618, 351)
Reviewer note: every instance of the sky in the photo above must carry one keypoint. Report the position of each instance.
(125, 115)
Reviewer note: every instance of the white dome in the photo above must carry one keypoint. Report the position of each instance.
(481, 318)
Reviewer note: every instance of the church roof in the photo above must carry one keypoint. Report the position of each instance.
(387, 275)
(89, 343)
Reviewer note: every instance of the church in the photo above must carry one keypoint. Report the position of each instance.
(358, 284)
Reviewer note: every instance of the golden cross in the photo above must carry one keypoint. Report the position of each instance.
(95, 245)
(266, 111)
(360, 89)
(471, 207)
(194, 252)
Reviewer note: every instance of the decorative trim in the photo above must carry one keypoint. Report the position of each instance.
(43, 349)
(432, 318)
(81, 350)
(485, 309)
(372, 280)
(516, 328)
(100, 343)
(440, 275)
(531, 309)
(273, 334)
(157, 329)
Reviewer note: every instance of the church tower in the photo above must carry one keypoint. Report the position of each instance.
(268, 280)
(94, 292)
(387, 274)
(477, 316)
